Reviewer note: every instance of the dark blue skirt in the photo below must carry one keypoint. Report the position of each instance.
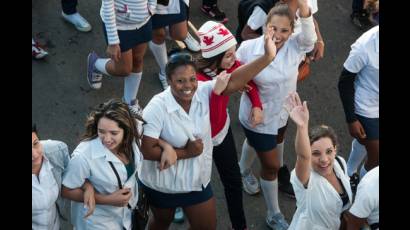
(163, 20)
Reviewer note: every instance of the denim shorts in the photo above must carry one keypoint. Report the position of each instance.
(131, 38)
(174, 200)
(370, 126)
(259, 141)
(163, 20)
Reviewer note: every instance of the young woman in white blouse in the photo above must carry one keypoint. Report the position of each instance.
(108, 157)
(180, 116)
(49, 158)
(274, 84)
(320, 179)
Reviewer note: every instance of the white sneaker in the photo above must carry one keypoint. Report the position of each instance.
(135, 109)
(179, 215)
(36, 51)
(78, 21)
(163, 80)
(191, 43)
(250, 183)
(277, 221)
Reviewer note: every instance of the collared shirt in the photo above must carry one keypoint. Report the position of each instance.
(90, 161)
(278, 79)
(173, 7)
(364, 60)
(319, 206)
(44, 193)
(366, 203)
(167, 120)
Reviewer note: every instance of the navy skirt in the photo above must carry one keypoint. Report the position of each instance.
(163, 20)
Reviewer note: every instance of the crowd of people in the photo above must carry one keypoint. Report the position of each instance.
(166, 149)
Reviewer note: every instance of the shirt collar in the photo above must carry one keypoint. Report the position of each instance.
(172, 105)
(99, 150)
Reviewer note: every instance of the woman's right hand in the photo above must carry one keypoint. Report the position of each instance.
(168, 155)
(120, 197)
(114, 52)
(356, 130)
(298, 112)
(195, 147)
(270, 47)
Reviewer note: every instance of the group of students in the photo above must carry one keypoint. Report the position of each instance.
(187, 126)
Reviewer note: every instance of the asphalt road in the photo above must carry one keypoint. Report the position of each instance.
(61, 97)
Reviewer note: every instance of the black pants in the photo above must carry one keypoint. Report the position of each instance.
(357, 6)
(69, 6)
(226, 161)
(209, 2)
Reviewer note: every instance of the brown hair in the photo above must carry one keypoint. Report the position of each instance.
(322, 131)
(203, 63)
(117, 111)
(281, 9)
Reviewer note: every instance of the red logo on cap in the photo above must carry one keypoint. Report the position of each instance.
(208, 40)
(223, 32)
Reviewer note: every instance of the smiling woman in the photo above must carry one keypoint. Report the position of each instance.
(180, 116)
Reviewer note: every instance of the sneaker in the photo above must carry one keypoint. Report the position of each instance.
(94, 78)
(284, 181)
(361, 20)
(179, 215)
(78, 21)
(250, 183)
(214, 13)
(277, 221)
(191, 43)
(163, 80)
(135, 109)
(354, 182)
(36, 51)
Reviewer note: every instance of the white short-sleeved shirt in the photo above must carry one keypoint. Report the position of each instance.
(366, 203)
(44, 193)
(364, 60)
(166, 119)
(90, 161)
(319, 206)
(258, 17)
(277, 80)
(172, 8)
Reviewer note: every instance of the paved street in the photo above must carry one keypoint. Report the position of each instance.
(61, 97)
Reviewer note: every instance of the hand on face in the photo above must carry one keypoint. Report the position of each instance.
(270, 47)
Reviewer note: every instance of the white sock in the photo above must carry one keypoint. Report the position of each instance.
(356, 157)
(279, 148)
(363, 172)
(270, 193)
(100, 64)
(160, 54)
(247, 157)
(131, 85)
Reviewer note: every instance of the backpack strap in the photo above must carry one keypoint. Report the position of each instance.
(118, 179)
(340, 163)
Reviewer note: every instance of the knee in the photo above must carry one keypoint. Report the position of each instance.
(179, 37)
(271, 168)
(158, 36)
(137, 64)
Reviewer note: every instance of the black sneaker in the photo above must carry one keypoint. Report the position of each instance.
(361, 20)
(214, 13)
(284, 181)
(354, 181)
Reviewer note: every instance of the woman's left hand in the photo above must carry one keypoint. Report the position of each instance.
(298, 112)
(89, 199)
(221, 82)
(318, 51)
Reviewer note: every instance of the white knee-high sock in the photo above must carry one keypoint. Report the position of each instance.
(247, 157)
(363, 172)
(100, 64)
(356, 157)
(270, 193)
(160, 54)
(131, 85)
(279, 148)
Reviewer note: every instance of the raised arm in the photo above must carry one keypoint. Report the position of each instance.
(299, 113)
(307, 38)
(245, 73)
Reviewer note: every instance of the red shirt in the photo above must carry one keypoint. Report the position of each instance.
(219, 103)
